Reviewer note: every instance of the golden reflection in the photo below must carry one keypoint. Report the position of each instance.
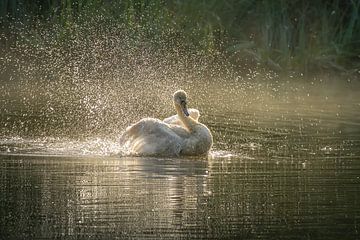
(148, 191)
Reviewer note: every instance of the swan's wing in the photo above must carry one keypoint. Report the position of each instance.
(157, 144)
(172, 120)
(152, 137)
(180, 131)
(194, 114)
(140, 128)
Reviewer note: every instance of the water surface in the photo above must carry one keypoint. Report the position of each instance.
(285, 165)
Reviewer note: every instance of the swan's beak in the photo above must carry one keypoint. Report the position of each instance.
(184, 108)
(186, 112)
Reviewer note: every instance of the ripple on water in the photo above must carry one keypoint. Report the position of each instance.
(227, 154)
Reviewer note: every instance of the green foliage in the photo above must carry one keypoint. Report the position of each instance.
(302, 35)
(283, 35)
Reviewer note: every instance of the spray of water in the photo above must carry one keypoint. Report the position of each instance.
(74, 90)
(81, 90)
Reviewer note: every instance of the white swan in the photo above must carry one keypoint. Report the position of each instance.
(175, 120)
(152, 136)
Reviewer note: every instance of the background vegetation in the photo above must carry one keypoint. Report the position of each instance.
(282, 35)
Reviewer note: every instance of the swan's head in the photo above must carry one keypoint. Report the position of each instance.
(180, 100)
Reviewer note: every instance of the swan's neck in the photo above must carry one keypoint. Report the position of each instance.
(188, 122)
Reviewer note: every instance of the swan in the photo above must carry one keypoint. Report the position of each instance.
(153, 137)
(175, 120)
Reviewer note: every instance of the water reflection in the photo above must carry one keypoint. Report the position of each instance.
(100, 196)
(220, 197)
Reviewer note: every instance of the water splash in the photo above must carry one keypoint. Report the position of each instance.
(93, 83)
(60, 147)
(84, 88)
(222, 154)
(49, 146)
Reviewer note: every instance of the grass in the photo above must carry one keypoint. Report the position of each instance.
(296, 35)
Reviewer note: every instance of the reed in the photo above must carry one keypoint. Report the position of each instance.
(283, 35)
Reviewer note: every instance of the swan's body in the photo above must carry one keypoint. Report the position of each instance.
(152, 136)
(175, 120)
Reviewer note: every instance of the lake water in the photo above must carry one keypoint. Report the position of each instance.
(285, 165)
